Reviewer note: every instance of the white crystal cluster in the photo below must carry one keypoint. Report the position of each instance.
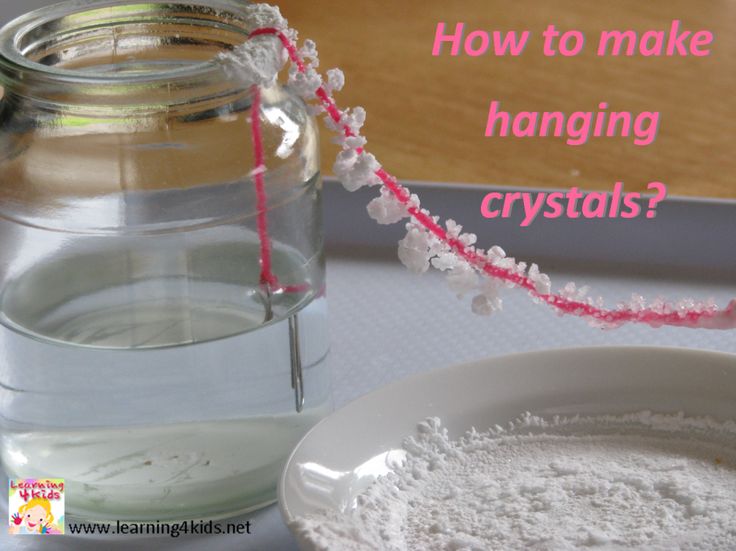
(259, 60)
(468, 270)
(420, 249)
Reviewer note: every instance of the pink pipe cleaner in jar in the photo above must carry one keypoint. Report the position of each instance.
(469, 269)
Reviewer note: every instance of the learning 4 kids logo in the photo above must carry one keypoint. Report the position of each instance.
(36, 506)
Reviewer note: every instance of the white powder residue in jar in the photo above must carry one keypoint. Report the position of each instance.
(640, 481)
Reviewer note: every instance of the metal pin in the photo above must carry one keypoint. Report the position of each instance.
(297, 379)
(267, 297)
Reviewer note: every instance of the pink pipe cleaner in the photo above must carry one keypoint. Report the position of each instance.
(268, 278)
(708, 317)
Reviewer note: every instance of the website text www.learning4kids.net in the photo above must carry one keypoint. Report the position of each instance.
(171, 529)
(36, 507)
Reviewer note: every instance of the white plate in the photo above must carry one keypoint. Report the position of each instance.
(342, 455)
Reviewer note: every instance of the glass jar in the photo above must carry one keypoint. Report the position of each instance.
(162, 307)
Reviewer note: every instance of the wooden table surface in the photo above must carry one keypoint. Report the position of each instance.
(427, 115)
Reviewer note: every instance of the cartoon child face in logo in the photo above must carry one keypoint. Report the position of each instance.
(33, 517)
(37, 516)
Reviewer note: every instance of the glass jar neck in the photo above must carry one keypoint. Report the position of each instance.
(120, 54)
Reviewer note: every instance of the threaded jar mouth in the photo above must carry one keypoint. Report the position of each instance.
(121, 45)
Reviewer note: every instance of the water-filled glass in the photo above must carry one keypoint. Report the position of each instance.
(143, 358)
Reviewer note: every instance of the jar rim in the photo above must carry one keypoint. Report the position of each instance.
(227, 14)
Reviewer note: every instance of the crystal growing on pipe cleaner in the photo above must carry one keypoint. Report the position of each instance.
(469, 269)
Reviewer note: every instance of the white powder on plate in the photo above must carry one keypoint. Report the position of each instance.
(639, 481)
